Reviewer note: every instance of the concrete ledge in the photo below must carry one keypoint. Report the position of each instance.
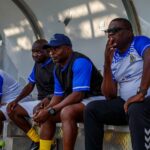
(15, 138)
(117, 128)
(17, 143)
(115, 137)
(11, 130)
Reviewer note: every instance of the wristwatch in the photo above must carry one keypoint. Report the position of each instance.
(143, 91)
(51, 111)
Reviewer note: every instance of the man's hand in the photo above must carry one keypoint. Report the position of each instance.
(41, 116)
(41, 105)
(109, 51)
(11, 106)
(44, 103)
(137, 98)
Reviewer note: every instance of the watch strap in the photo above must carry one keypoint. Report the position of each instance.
(143, 91)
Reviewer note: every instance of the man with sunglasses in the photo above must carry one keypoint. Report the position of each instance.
(42, 77)
(77, 82)
(126, 88)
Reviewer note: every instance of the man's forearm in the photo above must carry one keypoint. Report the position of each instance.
(25, 92)
(109, 87)
(145, 81)
(73, 98)
(54, 101)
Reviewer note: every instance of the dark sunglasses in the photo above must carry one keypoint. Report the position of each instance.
(114, 30)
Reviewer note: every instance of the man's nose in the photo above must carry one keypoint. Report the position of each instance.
(51, 52)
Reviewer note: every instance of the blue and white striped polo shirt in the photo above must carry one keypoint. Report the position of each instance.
(9, 87)
(127, 68)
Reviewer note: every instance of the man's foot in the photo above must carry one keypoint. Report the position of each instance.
(34, 146)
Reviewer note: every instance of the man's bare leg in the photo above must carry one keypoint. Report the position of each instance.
(18, 117)
(70, 115)
(47, 132)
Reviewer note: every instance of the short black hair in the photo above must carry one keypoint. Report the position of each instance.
(125, 22)
(40, 43)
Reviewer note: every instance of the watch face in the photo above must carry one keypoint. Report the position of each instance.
(52, 111)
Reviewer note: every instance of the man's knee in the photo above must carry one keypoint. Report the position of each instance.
(67, 113)
(91, 108)
(135, 110)
(36, 108)
(14, 112)
(11, 114)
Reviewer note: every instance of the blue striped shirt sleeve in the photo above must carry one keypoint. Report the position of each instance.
(1, 85)
(58, 91)
(141, 44)
(31, 77)
(82, 70)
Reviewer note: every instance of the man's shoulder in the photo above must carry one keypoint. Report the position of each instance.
(140, 38)
(1, 72)
(4, 74)
(81, 57)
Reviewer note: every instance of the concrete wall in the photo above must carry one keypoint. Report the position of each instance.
(17, 37)
(87, 19)
(142, 8)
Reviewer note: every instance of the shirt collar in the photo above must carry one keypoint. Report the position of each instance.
(127, 51)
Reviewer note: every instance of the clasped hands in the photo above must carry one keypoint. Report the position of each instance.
(41, 114)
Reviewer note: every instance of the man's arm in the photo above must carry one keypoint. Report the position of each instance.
(80, 83)
(58, 103)
(109, 86)
(145, 81)
(74, 97)
(42, 115)
(26, 91)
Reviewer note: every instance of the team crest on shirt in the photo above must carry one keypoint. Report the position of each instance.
(132, 58)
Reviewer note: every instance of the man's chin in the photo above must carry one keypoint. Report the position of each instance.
(38, 61)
